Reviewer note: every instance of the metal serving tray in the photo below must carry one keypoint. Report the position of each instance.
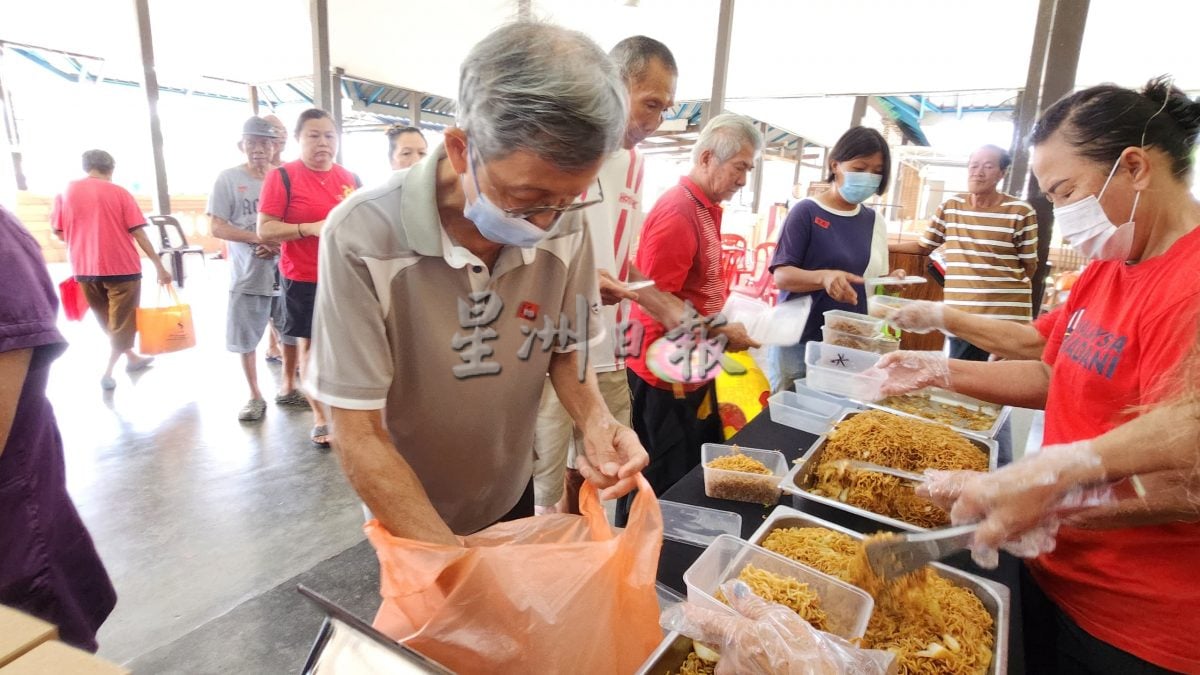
(795, 478)
(994, 596)
(953, 398)
(669, 657)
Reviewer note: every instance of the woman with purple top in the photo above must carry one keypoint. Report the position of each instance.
(48, 564)
(830, 243)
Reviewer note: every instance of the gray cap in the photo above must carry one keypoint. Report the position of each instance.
(257, 126)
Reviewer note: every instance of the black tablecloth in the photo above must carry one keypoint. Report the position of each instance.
(762, 433)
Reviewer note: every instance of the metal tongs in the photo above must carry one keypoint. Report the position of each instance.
(898, 555)
(844, 464)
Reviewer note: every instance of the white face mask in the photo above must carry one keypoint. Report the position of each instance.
(1088, 230)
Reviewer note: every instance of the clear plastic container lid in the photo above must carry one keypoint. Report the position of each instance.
(853, 323)
(847, 608)
(895, 281)
(880, 344)
(697, 525)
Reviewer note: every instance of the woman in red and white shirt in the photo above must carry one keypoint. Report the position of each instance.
(295, 200)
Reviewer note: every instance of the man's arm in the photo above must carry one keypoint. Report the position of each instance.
(139, 235)
(612, 455)
(223, 229)
(381, 477)
(912, 247)
(1025, 240)
(14, 365)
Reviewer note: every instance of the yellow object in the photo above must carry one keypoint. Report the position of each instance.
(741, 397)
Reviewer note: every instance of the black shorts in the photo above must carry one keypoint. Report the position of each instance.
(299, 299)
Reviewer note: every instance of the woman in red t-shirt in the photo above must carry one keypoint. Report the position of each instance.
(1118, 594)
(295, 200)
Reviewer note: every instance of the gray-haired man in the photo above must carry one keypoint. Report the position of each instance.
(681, 251)
(448, 293)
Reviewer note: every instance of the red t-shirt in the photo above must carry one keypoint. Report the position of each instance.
(314, 194)
(1124, 331)
(682, 254)
(96, 218)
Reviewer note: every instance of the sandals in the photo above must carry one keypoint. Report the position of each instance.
(253, 410)
(319, 431)
(293, 398)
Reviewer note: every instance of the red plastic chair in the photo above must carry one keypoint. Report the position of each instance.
(732, 261)
(762, 283)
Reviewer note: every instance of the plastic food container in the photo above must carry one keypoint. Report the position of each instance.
(847, 608)
(843, 371)
(996, 598)
(742, 486)
(853, 323)
(880, 344)
(878, 305)
(805, 409)
(697, 525)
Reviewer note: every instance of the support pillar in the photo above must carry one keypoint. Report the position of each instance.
(716, 102)
(860, 111)
(162, 199)
(318, 11)
(11, 134)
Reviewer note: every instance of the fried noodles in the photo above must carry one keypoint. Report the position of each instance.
(933, 626)
(898, 442)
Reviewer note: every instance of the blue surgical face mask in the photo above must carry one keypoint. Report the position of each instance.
(857, 186)
(494, 224)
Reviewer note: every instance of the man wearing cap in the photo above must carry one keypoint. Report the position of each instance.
(233, 213)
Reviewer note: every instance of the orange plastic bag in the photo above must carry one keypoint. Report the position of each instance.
(165, 329)
(550, 594)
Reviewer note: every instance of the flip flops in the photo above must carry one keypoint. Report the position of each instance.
(318, 431)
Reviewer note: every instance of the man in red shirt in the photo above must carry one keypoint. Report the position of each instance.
(100, 222)
(680, 250)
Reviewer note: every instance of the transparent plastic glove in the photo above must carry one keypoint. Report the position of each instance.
(767, 638)
(921, 316)
(908, 371)
(1019, 507)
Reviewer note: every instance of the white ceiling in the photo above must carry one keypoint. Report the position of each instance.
(785, 55)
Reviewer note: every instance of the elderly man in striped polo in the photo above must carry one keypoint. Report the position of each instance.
(990, 241)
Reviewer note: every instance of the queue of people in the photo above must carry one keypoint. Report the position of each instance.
(492, 271)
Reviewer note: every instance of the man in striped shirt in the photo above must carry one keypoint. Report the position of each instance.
(990, 246)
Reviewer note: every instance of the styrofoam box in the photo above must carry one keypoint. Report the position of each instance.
(853, 322)
(847, 608)
(806, 410)
(877, 344)
(843, 371)
(764, 486)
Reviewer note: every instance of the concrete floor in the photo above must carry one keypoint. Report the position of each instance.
(194, 512)
(205, 523)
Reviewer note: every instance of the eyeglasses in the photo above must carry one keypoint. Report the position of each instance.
(532, 211)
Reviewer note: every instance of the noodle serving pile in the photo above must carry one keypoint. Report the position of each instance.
(793, 594)
(898, 442)
(739, 462)
(933, 626)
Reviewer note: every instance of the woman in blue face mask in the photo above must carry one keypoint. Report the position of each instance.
(828, 244)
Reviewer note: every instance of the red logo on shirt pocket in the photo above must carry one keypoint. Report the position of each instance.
(527, 311)
(824, 224)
